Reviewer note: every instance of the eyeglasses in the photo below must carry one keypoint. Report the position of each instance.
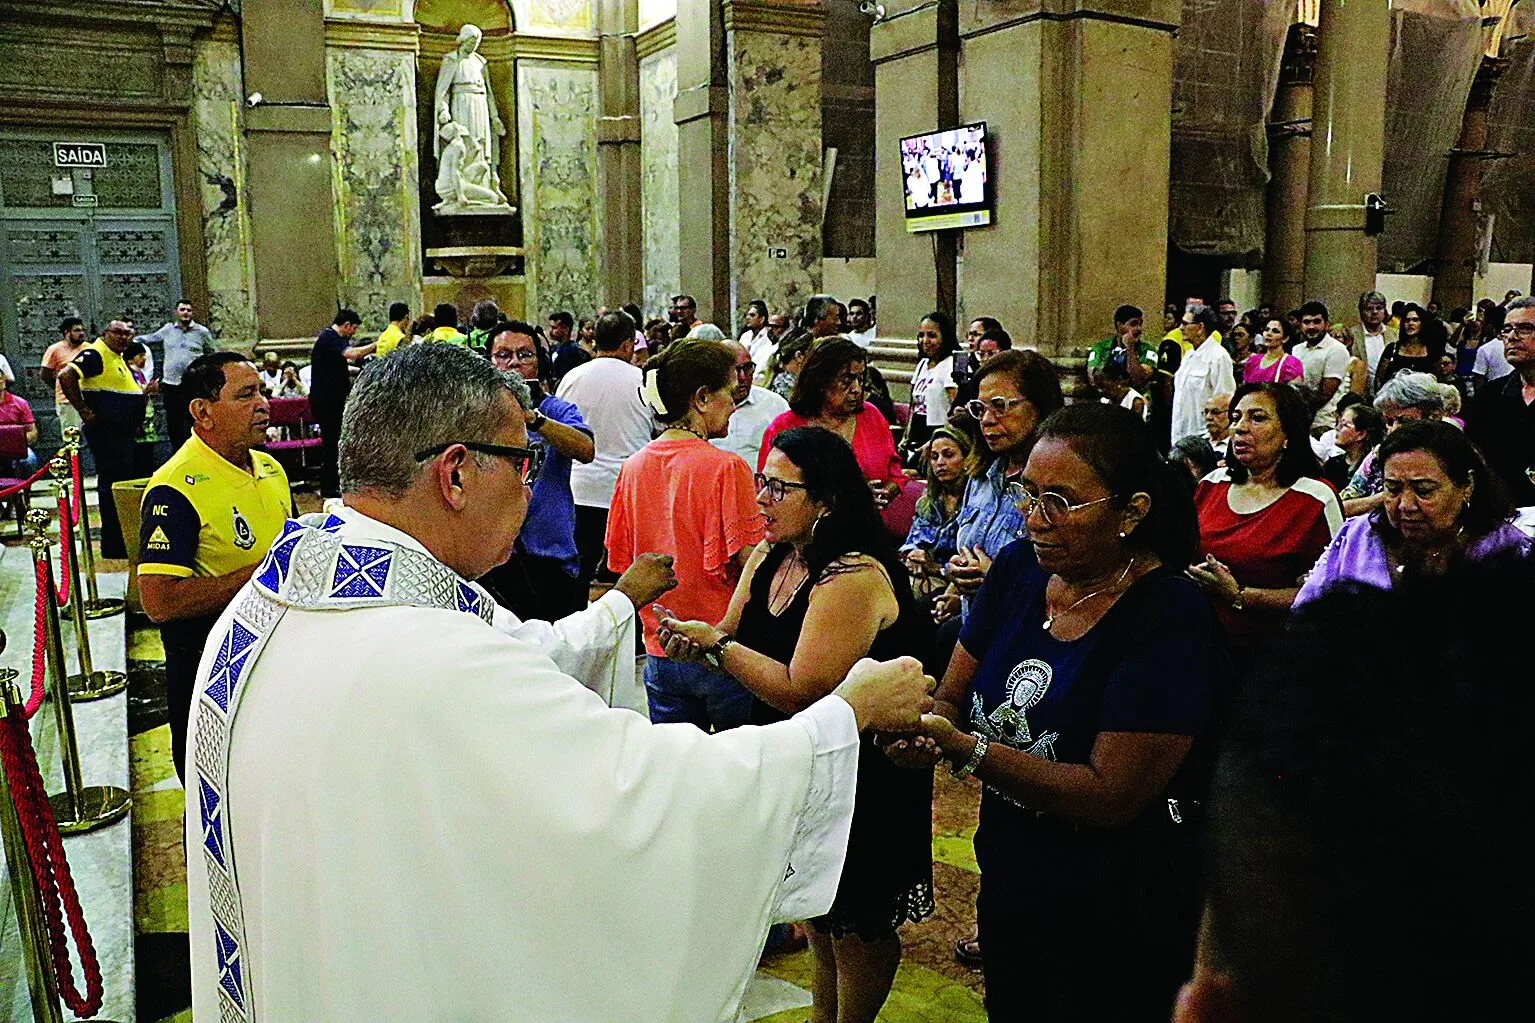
(520, 355)
(847, 380)
(1526, 330)
(1052, 506)
(997, 406)
(777, 489)
(527, 461)
(746, 369)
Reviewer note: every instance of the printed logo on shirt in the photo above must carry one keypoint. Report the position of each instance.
(244, 538)
(195, 478)
(158, 540)
(1009, 724)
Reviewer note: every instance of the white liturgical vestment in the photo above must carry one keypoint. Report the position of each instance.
(397, 810)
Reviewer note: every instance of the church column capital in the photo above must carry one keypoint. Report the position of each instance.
(780, 17)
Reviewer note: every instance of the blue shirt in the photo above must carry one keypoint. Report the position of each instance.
(550, 529)
(987, 519)
(932, 532)
(1151, 664)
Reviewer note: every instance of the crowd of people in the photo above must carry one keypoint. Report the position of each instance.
(1102, 586)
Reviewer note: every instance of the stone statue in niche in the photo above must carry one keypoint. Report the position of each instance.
(469, 130)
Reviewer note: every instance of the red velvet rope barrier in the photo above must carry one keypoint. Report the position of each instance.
(66, 549)
(79, 498)
(50, 869)
(39, 637)
(24, 484)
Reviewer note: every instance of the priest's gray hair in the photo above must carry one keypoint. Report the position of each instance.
(413, 399)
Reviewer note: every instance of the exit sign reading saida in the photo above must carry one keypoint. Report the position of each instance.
(79, 154)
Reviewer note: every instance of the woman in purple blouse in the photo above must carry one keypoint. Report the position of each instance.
(1443, 505)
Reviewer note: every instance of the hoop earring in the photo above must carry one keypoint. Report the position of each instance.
(816, 525)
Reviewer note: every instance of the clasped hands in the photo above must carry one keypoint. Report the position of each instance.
(1215, 579)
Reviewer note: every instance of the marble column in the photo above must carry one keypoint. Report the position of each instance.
(658, 177)
(1082, 211)
(1347, 142)
(915, 91)
(1289, 131)
(773, 53)
(377, 216)
(1460, 218)
(618, 153)
(218, 106)
(701, 113)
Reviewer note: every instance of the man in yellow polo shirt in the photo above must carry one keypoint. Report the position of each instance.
(398, 331)
(101, 387)
(210, 515)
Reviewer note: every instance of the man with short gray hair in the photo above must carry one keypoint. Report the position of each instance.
(1503, 420)
(1371, 335)
(426, 807)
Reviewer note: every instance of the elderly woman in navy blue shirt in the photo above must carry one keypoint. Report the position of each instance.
(1085, 673)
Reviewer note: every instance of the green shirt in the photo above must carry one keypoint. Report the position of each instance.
(1098, 354)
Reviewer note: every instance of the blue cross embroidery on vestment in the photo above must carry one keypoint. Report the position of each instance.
(213, 825)
(360, 572)
(228, 664)
(468, 600)
(275, 570)
(228, 952)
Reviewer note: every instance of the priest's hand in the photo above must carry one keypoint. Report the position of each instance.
(650, 576)
(888, 696)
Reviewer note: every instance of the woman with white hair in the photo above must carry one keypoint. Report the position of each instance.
(1405, 398)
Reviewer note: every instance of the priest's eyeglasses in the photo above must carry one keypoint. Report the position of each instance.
(527, 461)
(777, 489)
(1052, 506)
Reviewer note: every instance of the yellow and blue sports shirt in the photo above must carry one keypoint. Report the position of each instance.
(204, 516)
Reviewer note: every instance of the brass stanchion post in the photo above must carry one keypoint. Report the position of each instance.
(96, 606)
(29, 910)
(90, 684)
(79, 807)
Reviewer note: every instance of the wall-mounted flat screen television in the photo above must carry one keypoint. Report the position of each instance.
(947, 178)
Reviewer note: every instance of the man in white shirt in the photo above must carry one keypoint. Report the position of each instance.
(607, 391)
(756, 408)
(1326, 362)
(401, 807)
(756, 337)
(1204, 371)
(1371, 335)
(1491, 364)
(860, 322)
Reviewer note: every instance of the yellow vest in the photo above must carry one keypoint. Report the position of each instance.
(115, 374)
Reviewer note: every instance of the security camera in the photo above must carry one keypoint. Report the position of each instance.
(876, 10)
(254, 100)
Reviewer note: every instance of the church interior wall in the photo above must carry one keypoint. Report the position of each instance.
(658, 177)
(775, 169)
(557, 113)
(374, 145)
(218, 117)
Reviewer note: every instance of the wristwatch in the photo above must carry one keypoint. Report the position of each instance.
(976, 756)
(1239, 602)
(539, 419)
(715, 655)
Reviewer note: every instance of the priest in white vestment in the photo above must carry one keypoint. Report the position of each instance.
(400, 808)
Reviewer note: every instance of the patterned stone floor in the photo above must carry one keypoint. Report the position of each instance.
(930, 986)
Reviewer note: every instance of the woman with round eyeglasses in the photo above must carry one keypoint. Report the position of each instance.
(1443, 507)
(829, 393)
(542, 578)
(823, 590)
(1085, 672)
(1016, 389)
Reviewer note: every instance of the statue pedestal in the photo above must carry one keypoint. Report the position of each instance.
(475, 272)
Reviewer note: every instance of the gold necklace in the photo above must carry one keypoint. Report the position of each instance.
(1051, 616)
(688, 429)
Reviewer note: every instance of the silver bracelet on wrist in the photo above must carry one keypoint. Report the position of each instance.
(976, 756)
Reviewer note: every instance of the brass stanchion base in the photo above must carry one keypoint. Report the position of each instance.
(101, 684)
(104, 607)
(100, 805)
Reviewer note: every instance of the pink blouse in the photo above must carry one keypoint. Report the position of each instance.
(1282, 372)
(873, 445)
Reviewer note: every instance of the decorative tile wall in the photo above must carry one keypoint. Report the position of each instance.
(557, 108)
(377, 217)
(217, 115)
(775, 168)
(658, 178)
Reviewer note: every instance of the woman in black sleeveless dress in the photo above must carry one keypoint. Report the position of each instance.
(823, 591)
